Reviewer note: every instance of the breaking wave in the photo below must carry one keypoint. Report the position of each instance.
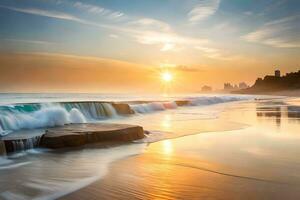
(32, 116)
(42, 115)
(193, 101)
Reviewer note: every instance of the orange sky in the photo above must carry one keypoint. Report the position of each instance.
(58, 73)
(117, 46)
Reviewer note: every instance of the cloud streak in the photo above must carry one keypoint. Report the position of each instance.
(45, 13)
(90, 8)
(281, 33)
(145, 31)
(93, 9)
(150, 24)
(38, 42)
(203, 10)
(61, 16)
(215, 53)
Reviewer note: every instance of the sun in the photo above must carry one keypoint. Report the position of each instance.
(167, 76)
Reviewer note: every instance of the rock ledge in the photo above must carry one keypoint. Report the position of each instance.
(75, 135)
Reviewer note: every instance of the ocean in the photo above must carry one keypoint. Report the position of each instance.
(216, 128)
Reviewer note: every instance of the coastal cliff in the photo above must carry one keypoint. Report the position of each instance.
(276, 83)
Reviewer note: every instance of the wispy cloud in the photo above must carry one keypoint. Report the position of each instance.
(73, 56)
(109, 14)
(90, 8)
(174, 67)
(281, 33)
(147, 31)
(61, 15)
(116, 15)
(203, 10)
(210, 52)
(113, 36)
(150, 31)
(150, 24)
(38, 42)
(215, 53)
(45, 13)
(168, 40)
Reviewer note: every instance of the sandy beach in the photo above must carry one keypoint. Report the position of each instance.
(256, 161)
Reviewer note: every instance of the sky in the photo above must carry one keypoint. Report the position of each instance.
(124, 45)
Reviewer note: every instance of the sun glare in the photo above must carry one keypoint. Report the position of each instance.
(167, 76)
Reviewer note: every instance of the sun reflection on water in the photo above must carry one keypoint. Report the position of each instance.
(166, 122)
(167, 147)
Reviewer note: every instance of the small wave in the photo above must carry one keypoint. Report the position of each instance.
(13, 166)
(192, 101)
(153, 106)
(210, 100)
(6, 163)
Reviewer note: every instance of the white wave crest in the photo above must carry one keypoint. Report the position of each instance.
(48, 116)
(76, 116)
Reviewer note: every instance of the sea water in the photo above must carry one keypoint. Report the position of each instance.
(45, 174)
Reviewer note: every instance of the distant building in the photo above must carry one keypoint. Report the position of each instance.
(228, 86)
(243, 85)
(277, 73)
(206, 88)
(233, 87)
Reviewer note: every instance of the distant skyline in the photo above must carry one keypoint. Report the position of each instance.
(123, 45)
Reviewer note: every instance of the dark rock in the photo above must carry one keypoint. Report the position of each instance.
(75, 135)
(182, 102)
(22, 140)
(147, 132)
(122, 108)
(2, 148)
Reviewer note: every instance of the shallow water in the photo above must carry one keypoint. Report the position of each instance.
(259, 161)
(44, 174)
(253, 144)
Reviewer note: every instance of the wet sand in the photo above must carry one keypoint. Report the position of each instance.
(257, 161)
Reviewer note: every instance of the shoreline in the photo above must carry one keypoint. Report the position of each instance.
(286, 93)
(204, 166)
